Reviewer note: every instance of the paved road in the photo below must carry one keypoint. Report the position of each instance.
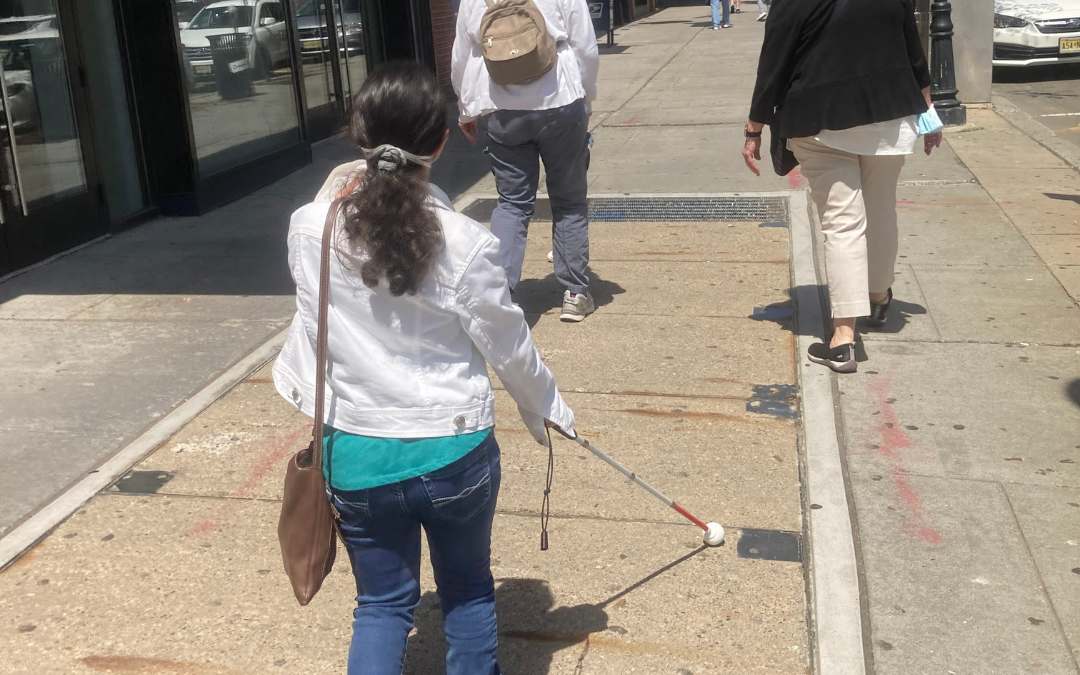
(1049, 94)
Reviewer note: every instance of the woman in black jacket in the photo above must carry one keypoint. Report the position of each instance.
(845, 81)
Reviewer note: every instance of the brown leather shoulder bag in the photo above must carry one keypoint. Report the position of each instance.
(308, 525)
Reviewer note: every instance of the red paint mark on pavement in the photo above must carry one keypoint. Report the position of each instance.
(893, 440)
(204, 527)
(629, 121)
(270, 453)
(795, 179)
(268, 460)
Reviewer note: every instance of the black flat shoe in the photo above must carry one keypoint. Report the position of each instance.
(879, 313)
(841, 359)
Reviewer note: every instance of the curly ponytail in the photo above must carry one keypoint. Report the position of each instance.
(398, 121)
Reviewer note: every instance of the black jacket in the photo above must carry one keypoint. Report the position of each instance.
(816, 71)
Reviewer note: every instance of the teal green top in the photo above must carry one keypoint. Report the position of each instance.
(361, 462)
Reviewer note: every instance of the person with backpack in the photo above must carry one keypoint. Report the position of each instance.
(417, 303)
(527, 69)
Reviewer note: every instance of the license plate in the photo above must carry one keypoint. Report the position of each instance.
(1069, 45)
(202, 70)
(312, 44)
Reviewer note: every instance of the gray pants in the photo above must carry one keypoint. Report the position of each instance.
(519, 140)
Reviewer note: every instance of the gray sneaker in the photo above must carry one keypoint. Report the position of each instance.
(576, 306)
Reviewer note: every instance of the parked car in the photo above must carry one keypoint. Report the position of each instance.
(311, 28)
(1034, 32)
(260, 23)
(38, 44)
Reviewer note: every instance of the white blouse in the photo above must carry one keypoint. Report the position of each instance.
(894, 137)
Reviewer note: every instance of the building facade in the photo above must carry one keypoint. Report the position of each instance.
(115, 111)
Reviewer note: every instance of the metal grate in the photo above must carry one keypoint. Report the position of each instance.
(660, 209)
(769, 545)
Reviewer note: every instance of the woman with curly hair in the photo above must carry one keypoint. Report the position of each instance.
(418, 303)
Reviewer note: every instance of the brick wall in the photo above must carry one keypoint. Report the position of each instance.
(442, 33)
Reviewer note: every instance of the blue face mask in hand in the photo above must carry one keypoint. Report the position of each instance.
(929, 122)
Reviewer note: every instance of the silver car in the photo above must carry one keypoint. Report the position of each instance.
(311, 28)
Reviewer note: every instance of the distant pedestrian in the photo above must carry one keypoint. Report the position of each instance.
(720, 20)
(418, 302)
(763, 9)
(841, 79)
(736, 6)
(545, 119)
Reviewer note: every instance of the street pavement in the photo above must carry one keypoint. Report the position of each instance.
(1049, 94)
(959, 432)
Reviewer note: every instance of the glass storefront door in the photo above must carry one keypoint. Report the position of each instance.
(239, 78)
(47, 189)
(332, 59)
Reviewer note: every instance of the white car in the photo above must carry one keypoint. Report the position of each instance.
(1034, 32)
(262, 19)
(39, 41)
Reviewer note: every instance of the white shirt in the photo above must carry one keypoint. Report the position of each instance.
(413, 366)
(572, 77)
(894, 137)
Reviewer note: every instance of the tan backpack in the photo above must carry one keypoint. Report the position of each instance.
(516, 44)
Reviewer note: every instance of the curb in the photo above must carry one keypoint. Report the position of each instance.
(22, 537)
(835, 599)
(1038, 131)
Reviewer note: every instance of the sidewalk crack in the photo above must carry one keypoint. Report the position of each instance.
(580, 667)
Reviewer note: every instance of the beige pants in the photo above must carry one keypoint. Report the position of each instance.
(855, 196)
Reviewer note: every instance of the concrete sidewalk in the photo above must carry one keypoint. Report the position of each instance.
(681, 374)
(959, 433)
(962, 430)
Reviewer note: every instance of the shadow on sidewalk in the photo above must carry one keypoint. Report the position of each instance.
(1073, 392)
(530, 630)
(781, 313)
(1036, 74)
(1064, 198)
(537, 296)
(692, 24)
(239, 249)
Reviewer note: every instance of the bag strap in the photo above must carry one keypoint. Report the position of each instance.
(490, 3)
(321, 337)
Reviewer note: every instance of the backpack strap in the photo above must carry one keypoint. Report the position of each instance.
(490, 3)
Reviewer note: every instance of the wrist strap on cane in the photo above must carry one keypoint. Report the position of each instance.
(545, 507)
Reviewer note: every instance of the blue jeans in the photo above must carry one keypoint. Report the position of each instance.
(381, 528)
(715, 4)
(519, 140)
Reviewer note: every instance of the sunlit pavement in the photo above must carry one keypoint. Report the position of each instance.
(958, 431)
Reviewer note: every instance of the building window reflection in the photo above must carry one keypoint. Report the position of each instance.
(239, 80)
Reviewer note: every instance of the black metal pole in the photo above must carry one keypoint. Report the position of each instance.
(942, 66)
(611, 23)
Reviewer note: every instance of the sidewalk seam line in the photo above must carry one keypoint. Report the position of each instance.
(1039, 576)
(652, 77)
(918, 284)
(499, 512)
(985, 481)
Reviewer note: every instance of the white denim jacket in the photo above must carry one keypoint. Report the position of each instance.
(412, 366)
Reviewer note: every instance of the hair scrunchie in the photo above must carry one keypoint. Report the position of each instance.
(391, 158)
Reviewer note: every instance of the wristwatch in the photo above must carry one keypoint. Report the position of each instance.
(751, 134)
